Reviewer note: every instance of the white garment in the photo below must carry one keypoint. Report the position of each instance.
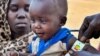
(67, 54)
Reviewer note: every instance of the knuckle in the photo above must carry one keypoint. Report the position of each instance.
(92, 25)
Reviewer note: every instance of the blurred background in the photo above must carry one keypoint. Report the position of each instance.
(78, 10)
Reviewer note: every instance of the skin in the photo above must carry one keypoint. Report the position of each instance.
(90, 28)
(19, 20)
(45, 22)
(83, 53)
(18, 17)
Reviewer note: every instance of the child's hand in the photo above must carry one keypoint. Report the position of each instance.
(32, 55)
(12, 53)
(80, 53)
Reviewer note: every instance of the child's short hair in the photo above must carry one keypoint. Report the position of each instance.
(62, 8)
(59, 6)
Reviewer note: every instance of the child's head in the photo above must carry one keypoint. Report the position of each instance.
(47, 16)
(18, 16)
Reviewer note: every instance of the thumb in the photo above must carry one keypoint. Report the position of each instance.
(88, 33)
(83, 39)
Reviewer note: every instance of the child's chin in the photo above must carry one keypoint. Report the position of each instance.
(43, 38)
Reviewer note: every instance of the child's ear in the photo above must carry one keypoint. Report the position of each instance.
(63, 20)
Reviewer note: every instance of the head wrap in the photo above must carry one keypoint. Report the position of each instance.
(4, 26)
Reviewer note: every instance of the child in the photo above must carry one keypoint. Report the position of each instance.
(48, 17)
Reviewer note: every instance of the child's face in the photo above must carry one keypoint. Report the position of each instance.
(18, 16)
(44, 24)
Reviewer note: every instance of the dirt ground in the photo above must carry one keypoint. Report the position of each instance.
(77, 11)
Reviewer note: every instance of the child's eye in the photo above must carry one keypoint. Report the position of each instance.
(32, 20)
(26, 8)
(13, 8)
(43, 20)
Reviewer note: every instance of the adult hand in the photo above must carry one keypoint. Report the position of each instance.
(90, 28)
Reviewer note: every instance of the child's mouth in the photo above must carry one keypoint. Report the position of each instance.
(40, 34)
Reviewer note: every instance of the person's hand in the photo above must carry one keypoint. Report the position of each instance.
(82, 53)
(12, 53)
(90, 28)
(32, 54)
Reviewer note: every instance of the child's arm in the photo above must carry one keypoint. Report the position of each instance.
(87, 47)
(71, 42)
(83, 53)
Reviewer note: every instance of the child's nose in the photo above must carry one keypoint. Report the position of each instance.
(37, 25)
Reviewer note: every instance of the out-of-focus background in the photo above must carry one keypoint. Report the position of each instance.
(77, 10)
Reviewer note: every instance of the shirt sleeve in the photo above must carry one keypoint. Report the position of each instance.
(67, 38)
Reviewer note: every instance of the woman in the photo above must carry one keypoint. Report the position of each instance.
(9, 41)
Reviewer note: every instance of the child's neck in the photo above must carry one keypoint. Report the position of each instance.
(52, 36)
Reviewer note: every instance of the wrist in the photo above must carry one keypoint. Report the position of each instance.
(78, 46)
